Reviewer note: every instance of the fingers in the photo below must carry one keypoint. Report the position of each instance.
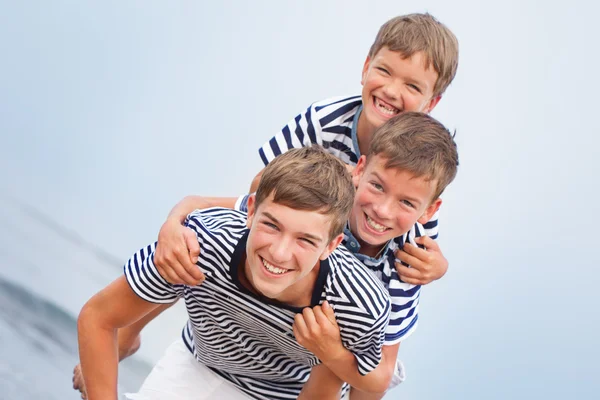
(325, 311)
(310, 320)
(191, 241)
(428, 242)
(300, 329)
(409, 275)
(175, 258)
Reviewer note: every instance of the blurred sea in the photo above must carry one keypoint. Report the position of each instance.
(46, 274)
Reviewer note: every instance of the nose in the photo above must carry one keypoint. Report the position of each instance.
(280, 250)
(383, 209)
(393, 92)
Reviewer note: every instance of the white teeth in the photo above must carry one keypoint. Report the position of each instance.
(386, 109)
(273, 269)
(378, 227)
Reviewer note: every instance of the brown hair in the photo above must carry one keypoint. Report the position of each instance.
(308, 178)
(413, 33)
(417, 143)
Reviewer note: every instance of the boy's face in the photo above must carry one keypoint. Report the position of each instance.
(388, 202)
(284, 246)
(392, 84)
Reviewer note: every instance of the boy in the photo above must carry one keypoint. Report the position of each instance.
(409, 66)
(411, 160)
(261, 269)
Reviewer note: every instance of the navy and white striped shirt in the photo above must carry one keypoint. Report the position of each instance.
(332, 124)
(404, 296)
(248, 339)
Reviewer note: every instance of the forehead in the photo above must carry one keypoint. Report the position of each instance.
(416, 63)
(399, 180)
(299, 221)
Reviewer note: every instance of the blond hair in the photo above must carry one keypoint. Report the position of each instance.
(310, 179)
(413, 33)
(417, 143)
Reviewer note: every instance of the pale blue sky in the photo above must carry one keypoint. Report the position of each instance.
(111, 112)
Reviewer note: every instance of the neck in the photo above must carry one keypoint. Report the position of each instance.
(363, 134)
(370, 250)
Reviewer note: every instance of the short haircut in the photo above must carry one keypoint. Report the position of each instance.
(417, 143)
(310, 179)
(413, 33)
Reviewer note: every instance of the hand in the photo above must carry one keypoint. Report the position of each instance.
(177, 253)
(317, 330)
(426, 265)
(78, 383)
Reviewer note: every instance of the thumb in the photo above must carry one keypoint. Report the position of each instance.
(328, 311)
(191, 241)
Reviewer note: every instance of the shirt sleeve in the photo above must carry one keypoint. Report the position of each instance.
(146, 282)
(431, 226)
(241, 204)
(301, 131)
(404, 315)
(362, 324)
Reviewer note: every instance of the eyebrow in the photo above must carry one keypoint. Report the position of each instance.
(411, 199)
(421, 84)
(306, 234)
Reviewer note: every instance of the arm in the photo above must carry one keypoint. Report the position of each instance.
(317, 330)
(129, 341)
(178, 249)
(322, 384)
(114, 307)
(256, 181)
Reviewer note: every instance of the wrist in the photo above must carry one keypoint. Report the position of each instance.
(338, 355)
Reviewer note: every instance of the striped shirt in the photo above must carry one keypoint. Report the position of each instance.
(404, 296)
(330, 123)
(248, 339)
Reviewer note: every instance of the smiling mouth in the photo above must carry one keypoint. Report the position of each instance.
(273, 269)
(375, 226)
(385, 108)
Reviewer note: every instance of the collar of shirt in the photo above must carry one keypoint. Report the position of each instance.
(353, 246)
(354, 130)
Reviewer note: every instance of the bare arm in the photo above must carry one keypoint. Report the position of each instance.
(256, 181)
(129, 341)
(177, 251)
(114, 307)
(322, 384)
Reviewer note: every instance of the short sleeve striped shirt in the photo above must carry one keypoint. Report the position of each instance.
(330, 123)
(248, 339)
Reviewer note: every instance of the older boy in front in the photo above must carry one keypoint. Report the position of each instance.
(260, 271)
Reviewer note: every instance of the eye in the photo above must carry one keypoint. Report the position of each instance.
(385, 71)
(407, 203)
(415, 87)
(310, 242)
(377, 186)
(270, 225)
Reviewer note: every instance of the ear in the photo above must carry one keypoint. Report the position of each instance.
(335, 242)
(359, 170)
(429, 211)
(432, 103)
(251, 210)
(365, 70)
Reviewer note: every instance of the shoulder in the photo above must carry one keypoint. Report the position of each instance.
(352, 283)
(336, 109)
(217, 221)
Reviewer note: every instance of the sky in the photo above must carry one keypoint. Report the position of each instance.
(111, 112)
